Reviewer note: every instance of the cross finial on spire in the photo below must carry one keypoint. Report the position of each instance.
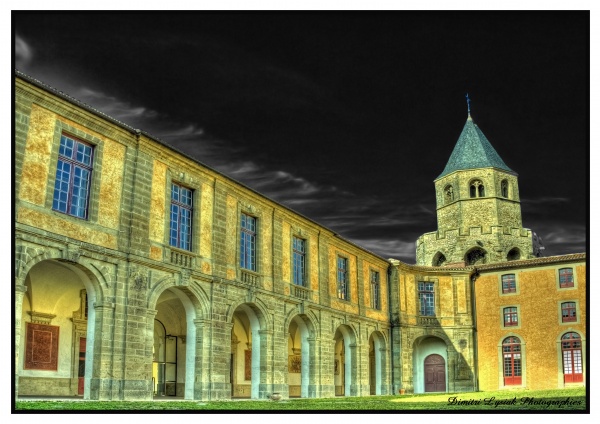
(468, 105)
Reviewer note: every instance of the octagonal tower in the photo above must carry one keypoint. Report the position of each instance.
(478, 208)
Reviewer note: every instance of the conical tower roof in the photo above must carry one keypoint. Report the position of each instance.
(473, 150)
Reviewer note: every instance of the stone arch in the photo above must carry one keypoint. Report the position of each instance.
(476, 256)
(166, 303)
(377, 362)
(302, 355)
(439, 259)
(423, 347)
(449, 195)
(345, 361)
(250, 323)
(476, 188)
(67, 296)
(513, 254)
(505, 188)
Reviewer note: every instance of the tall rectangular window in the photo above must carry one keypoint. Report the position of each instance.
(511, 317)
(73, 177)
(509, 284)
(248, 243)
(181, 217)
(375, 291)
(565, 277)
(426, 299)
(569, 311)
(299, 266)
(342, 279)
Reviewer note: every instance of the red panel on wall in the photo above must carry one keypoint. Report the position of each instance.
(41, 350)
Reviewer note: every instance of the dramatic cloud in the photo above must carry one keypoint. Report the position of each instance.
(23, 53)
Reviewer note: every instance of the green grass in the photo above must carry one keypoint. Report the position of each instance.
(507, 400)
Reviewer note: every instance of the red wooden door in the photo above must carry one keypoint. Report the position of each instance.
(81, 372)
(435, 374)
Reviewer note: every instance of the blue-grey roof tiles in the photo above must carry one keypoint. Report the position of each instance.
(473, 150)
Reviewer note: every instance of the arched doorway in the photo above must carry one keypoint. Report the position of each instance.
(245, 359)
(57, 334)
(173, 345)
(435, 373)
(430, 364)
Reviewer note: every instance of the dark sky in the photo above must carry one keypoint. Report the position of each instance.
(345, 117)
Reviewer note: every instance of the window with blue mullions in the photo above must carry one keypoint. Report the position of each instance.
(73, 177)
(299, 250)
(248, 243)
(181, 217)
(426, 299)
(342, 279)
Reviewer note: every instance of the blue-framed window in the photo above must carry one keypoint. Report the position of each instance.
(73, 177)
(426, 298)
(248, 243)
(181, 217)
(299, 261)
(342, 279)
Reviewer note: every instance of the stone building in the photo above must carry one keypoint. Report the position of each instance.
(141, 273)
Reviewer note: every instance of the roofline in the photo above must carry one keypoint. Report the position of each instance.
(572, 257)
(442, 175)
(135, 131)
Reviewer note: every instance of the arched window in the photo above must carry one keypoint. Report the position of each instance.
(571, 358)
(475, 256)
(511, 359)
(448, 194)
(477, 189)
(513, 255)
(439, 259)
(504, 188)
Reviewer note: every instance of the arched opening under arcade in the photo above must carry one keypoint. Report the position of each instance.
(246, 352)
(300, 356)
(377, 365)
(345, 361)
(173, 345)
(56, 340)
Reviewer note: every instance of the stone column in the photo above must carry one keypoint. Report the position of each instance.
(20, 291)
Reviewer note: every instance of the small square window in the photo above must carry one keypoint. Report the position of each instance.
(509, 283)
(565, 277)
(568, 311)
(511, 317)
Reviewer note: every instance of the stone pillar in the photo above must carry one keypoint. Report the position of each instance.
(355, 371)
(20, 291)
(149, 347)
(314, 367)
(102, 384)
(266, 385)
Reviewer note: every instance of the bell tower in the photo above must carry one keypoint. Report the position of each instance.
(478, 208)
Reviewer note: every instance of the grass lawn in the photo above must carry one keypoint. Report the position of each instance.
(571, 400)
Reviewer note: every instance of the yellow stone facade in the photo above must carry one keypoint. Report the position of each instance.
(538, 299)
(126, 302)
